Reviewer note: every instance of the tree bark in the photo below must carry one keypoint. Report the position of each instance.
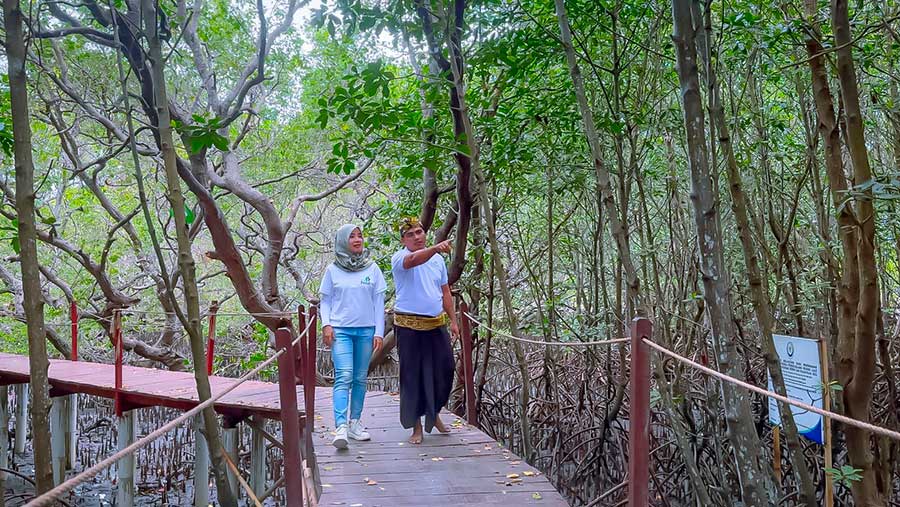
(185, 258)
(759, 287)
(604, 186)
(33, 304)
(856, 360)
(463, 132)
(753, 478)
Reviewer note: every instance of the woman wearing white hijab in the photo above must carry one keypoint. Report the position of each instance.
(352, 313)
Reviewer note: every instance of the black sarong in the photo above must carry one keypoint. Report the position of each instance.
(426, 374)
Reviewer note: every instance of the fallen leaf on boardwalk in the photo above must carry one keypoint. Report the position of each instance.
(536, 496)
(399, 443)
(515, 463)
(328, 469)
(356, 505)
(437, 459)
(512, 476)
(327, 485)
(424, 454)
(379, 487)
(371, 483)
(528, 473)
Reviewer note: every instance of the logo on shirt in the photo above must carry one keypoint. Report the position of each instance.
(367, 280)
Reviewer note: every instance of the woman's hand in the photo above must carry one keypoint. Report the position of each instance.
(328, 335)
(377, 343)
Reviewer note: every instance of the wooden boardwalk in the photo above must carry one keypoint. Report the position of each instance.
(466, 467)
(145, 387)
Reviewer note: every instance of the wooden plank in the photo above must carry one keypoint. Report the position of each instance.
(125, 468)
(257, 458)
(201, 465)
(58, 440)
(21, 391)
(4, 435)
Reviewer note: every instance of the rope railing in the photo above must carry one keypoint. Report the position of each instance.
(765, 392)
(56, 493)
(719, 375)
(545, 343)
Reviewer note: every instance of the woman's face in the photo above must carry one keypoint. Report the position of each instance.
(356, 241)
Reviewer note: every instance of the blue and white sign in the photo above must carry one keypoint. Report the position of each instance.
(802, 370)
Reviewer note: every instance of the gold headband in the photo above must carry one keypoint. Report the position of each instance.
(408, 223)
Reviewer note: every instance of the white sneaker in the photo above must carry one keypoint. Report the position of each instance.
(340, 437)
(357, 431)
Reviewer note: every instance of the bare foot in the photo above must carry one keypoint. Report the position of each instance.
(416, 437)
(439, 424)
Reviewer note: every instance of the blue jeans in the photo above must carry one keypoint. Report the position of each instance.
(350, 352)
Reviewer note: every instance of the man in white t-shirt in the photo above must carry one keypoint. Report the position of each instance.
(422, 312)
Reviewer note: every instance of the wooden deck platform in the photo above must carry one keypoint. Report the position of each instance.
(466, 467)
(144, 387)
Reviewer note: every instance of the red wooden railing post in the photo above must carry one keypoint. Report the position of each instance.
(211, 337)
(309, 381)
(639, 425)
(73, 316)
(117, 344)
(290, 422)
(299, 349)
(465, 331)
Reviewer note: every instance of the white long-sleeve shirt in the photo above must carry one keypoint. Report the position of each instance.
(353, 298)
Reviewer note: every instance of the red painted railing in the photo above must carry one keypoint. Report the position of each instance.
(117, 344)
(639, 414)
(73, 317)
(465, 331)
(211, 337)
(639, 419)
(297, 362)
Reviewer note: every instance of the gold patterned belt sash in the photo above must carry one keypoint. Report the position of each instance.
(419, 322)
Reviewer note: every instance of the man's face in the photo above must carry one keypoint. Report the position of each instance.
(414, 238)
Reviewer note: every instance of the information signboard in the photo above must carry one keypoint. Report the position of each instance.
(802, 370)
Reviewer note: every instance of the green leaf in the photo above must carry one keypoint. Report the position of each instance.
(220, 142)
(16, 245)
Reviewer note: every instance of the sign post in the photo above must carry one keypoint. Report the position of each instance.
(826, 401)
(805, 368)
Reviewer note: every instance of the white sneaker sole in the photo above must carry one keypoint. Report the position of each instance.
(359, 438)
(340, 443)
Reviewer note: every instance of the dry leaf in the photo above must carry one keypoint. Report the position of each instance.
(512, 476)
(536, 496)
(528, 473)
(371, 483)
